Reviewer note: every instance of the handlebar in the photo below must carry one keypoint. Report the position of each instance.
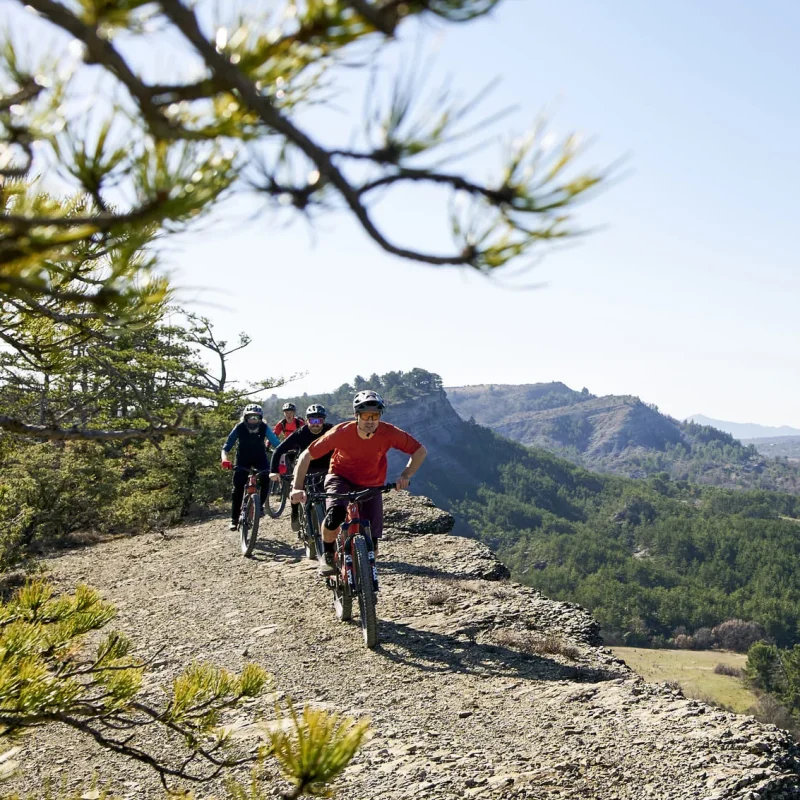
(249, 469)
(354, 497)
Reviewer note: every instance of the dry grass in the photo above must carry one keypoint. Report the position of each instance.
(769, 710)
(438, 598)
(729, 669)
(535, 644)
(696, 673)
(473, 587)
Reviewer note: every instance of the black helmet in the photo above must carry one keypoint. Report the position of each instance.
(289, 407)
(316, 410)
(252, 410)
(368, 400)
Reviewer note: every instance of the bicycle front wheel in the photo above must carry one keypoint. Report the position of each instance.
(342, 597)
(366, 597)
(249, 528)
(276, 499)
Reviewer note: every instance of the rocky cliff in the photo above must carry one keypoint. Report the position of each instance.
(433, 421)
(479, 687)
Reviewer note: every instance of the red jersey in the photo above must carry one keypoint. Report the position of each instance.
(362, 461)
(284, 428)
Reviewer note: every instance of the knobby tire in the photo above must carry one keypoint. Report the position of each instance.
(366, 596)
(276, 500)
(249, 528)
(342, 598)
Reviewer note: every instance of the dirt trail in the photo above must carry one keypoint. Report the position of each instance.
(458, 708)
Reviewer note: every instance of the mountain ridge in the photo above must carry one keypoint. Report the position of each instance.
(619, 434)
(745, 430)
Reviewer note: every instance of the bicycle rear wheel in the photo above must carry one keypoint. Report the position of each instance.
(249, 527)
(342, 597)
(276, 499)
(366, 597)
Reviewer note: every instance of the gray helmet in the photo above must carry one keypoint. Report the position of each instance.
(368, 400)
(289, 407)
(316, 410)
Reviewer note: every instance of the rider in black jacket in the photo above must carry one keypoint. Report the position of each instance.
(251, 435)
(298, 441)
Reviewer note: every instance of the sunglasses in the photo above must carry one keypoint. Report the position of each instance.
(316, 420)
(370, 417)
(252, 418)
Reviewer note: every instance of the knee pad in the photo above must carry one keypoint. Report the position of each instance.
(335, 517)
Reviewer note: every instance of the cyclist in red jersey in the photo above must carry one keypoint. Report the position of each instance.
(359, 462)
(290, 422)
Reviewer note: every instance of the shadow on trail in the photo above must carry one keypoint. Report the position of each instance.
(421, 570)
(429, 651)
(267, 549)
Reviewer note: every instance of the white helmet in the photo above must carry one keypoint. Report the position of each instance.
(252, 410)
(368, 400)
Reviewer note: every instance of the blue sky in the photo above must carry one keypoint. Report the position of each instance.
(686, 295)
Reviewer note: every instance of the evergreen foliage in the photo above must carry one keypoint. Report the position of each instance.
(394, 387)
(47, 677)
(150, 377)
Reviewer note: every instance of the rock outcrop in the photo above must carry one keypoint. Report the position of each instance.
(479, 687)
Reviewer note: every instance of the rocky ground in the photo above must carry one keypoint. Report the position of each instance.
(479, 687)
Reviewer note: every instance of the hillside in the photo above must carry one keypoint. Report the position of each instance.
(647, 557)
(621, 435)
(479, 688)
(777, 446)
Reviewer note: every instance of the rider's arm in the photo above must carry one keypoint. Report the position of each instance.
(271, 437)
(229, 443)
(319, 447)
(300, 470)
(414, 463)
(289, 443)
(406, 443)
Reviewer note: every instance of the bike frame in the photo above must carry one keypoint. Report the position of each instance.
(253, 485)
(353, 526)
(312, 483)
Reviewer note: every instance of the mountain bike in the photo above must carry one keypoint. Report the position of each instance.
(354, 563)
(250, 515)
(312, 514)
(279, 490)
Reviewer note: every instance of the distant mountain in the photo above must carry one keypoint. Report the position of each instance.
(619, 434)
(745, 430)
(490, 403)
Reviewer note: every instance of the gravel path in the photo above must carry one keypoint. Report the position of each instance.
(479, 688)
